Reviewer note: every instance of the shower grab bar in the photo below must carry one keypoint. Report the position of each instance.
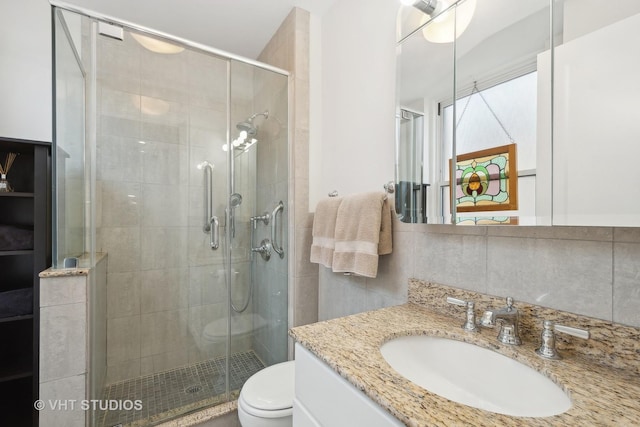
(277, 248)
(208, 196)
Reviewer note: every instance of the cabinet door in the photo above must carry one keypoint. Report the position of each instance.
(324, 398)
(302, 417)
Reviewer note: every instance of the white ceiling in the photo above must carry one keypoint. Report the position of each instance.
(241, 27)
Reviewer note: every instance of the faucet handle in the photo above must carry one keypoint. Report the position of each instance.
(456, 301)
(576, 332)
(548, 346)
(470, 324)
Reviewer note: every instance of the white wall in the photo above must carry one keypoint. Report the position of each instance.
(358, 99)
(25, 69)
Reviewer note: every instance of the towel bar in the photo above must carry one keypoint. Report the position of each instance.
(389, 187)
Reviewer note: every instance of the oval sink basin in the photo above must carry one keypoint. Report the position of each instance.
(475, 376)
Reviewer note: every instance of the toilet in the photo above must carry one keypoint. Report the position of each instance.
(214, 335)
(266, 399)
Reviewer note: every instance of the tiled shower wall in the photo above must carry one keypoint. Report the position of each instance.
(593, 271)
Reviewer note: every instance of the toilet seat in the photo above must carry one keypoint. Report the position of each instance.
(269, 392)
(263, 413)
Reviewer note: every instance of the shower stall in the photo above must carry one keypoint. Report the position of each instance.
(171, 159)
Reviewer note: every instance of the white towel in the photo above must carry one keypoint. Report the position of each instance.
(324, 227)
(363, 232)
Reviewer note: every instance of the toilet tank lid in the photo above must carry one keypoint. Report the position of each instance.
(270, 389)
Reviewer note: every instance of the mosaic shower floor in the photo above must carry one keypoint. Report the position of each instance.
(168, 394)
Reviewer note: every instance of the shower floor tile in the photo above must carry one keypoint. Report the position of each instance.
(168, 394)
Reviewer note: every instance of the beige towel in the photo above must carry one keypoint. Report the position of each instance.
(324, 227)
(363, 231)
(385, 245)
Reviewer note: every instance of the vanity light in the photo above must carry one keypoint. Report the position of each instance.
(441, 29)
(157, 46)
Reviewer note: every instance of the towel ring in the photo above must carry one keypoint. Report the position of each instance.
(334, 193)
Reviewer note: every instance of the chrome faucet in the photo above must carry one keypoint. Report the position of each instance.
(509, 319)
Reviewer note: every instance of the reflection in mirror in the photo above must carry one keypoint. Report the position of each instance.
(493, 76)
(565, 96)
(497, 104)
(410, 191)
(425, 76)
(489, 118)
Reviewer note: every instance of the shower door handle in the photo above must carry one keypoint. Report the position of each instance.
(276, 247)
(214, 239)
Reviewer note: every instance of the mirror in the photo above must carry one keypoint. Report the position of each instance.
(561, 100)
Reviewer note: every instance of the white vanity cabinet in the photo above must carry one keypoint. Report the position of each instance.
(324, 398)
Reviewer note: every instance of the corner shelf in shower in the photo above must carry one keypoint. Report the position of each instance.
(28, 207)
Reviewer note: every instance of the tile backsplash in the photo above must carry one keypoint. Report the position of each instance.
(592, 271)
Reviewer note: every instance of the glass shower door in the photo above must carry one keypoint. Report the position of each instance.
(258, 231)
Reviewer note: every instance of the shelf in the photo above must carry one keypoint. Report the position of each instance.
(16, 318)
(17, 375)
(23, 252)
(17, 371)
(16, 194)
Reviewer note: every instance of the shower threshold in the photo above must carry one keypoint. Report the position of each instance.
(166, 395)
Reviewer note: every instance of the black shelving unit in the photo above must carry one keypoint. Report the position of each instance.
(27, 209)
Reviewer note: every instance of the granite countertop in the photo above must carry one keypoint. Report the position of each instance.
(601, 395)
(83, 268)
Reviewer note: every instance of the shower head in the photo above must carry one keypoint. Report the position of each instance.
(248, 126)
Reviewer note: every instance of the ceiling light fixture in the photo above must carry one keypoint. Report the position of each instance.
(444, 18)
(157, 46)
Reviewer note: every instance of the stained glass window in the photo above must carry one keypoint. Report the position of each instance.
(487, 180)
